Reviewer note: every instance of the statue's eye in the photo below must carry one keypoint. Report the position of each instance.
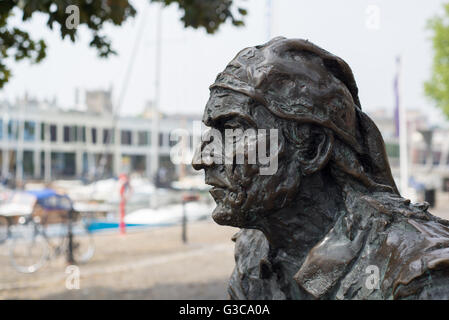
(232, 124)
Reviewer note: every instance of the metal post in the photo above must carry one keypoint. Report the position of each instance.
(19, 132)
(156, 106)
(186, 198)
(123, 186)
(122, 214)
(5, 151)
(184, 222)
(403, 144)
(70, 259)
(47, 154)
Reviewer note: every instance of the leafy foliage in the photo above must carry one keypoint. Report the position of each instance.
(16, 44)
(206, 13)
(437, 88)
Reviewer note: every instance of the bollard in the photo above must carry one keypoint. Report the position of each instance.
(70, 259)
(185, 199)
(184, 222)
(123, 185)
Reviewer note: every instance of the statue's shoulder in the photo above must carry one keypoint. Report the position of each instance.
(408, 244)
(381, 249)
(419, 251)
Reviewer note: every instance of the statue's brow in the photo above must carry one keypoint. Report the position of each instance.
(239, 118)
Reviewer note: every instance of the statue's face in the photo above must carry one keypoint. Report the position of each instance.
(242, 194)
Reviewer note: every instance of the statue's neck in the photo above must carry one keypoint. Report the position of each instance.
(303, 224)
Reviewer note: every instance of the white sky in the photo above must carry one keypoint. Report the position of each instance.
(191, 59)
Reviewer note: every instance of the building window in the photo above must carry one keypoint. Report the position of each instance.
(94, 135)
(70, 134)
(436, 157)
(161, 139)
(53, 133)
(29, 133)
(66, 134)
(108, 136)
(13, 129)
(42, 131)
(126, 137)
(63, 164)
(142, 137)
(81, 136)
(28, 163)
(74, 133)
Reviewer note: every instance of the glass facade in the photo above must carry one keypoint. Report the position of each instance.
(142, 137)
(29, 133)
(70, 134)
(34, 131)
(42, 131)
(94, 135)
(13, 129)
(81, 133)
(53, 133)
(64, 148)
(108, 136)
(126, 137)
(161, 139)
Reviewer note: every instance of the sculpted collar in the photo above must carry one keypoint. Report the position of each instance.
(406, 232)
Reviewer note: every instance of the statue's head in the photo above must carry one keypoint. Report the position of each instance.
(306, 100)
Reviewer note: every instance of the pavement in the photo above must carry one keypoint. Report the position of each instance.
(144, 264)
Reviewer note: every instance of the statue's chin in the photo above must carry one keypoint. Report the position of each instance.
(224, 216)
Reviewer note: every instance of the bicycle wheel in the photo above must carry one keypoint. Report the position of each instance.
(3, 229)
(83, 243)
(29, 250)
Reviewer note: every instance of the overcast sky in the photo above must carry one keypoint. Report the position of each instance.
(191, 59)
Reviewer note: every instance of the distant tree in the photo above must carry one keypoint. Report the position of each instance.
(437, 88)
(16, 44)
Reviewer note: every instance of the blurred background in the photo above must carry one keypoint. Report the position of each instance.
(91, 203)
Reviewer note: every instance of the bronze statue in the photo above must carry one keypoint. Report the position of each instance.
(330, 222)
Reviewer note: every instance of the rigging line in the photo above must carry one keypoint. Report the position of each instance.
(116, 109)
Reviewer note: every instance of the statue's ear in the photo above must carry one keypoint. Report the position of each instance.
(318, 152)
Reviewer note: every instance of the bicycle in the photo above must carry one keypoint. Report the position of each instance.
(28, 249)
(32, 244)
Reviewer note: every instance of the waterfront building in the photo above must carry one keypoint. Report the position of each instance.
(39, 140)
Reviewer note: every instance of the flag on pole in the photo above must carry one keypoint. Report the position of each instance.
(401, 130)
(396, 96)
